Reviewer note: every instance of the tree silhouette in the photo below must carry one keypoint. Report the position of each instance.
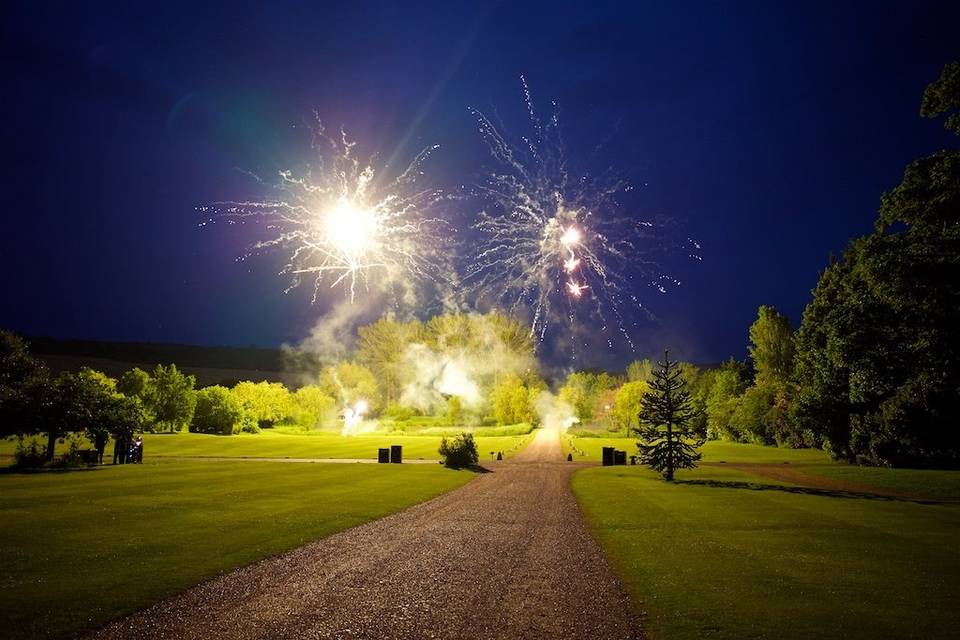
(668, 439)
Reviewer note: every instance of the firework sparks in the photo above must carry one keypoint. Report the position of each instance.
(345, 226)
(557, 243)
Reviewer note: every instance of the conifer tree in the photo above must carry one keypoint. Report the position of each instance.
(668, 438)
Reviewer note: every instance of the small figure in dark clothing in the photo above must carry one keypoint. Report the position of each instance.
(136, 451)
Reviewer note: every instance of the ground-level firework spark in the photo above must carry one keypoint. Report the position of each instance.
(559, 243)
(344, 225)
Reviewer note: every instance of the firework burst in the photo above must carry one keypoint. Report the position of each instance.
(346, 226)
(558, 243)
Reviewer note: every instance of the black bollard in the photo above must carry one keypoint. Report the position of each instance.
(499, 455)
(633, 460)
(607, 456)
(569, 457)
(396, 454)
(383, 455)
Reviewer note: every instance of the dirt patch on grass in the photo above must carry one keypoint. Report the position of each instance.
(800, 476)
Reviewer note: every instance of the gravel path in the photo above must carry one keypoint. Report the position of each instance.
(506, 556)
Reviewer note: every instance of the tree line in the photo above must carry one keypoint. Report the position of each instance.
(872, 375)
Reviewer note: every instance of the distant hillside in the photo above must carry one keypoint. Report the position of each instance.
(211, 365)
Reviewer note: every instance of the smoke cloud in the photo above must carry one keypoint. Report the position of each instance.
(555, 414)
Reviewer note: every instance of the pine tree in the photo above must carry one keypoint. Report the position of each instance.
(668, 438)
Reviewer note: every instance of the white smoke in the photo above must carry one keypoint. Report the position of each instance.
(555, 414)
(438, 372)
(435, 376)
(353, 422)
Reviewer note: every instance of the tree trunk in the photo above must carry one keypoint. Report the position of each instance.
(668, 476)
(51, 442)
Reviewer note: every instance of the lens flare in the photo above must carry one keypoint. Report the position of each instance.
(343, 224)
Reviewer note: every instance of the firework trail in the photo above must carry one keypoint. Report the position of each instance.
(557, 243)
(343, 225)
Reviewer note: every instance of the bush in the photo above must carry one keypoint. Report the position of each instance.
(73, 458)
(30, 456)
(399, 412)
(459, 452)
(248, 424)
(217, 411)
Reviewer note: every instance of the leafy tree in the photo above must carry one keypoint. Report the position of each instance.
(381, 346)
(218, 411)
(120, 417)
(268, 402)
(640, 370)
(510, 401)
(583, 391)
(17, 366)
(20, 373)
(171, 397)
(942, 97)
(729, 384)
(454, 410)
(750, 419)
(626, 405)
(667, 441)
(134, 383)
(71, 403)
(314, 408)
(878, 360)
(772, 345)
(349, 383)
(700, 383)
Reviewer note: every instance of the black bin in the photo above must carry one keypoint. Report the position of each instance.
(396, 454)
(383, 455)
(620, 458)
(607, 456)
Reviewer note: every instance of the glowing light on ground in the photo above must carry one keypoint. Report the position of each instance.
(353, 418)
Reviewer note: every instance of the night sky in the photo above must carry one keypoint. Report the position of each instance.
(769, 132)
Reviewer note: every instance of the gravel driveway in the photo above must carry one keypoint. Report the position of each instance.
(506, 556)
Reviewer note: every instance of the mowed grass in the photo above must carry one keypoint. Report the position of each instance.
(80, 548)
(749, 557)
(589, 450)
(271, 444)
(930, 483)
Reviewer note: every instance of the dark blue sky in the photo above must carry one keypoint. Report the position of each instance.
(770, 131)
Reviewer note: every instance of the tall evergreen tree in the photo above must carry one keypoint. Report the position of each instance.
(668, 436)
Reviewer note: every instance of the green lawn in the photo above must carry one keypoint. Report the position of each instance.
(80, 548)
(922, 482)
(744, 557)
(271, 444)
(588, 449)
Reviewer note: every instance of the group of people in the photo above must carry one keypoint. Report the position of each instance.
(129, 452)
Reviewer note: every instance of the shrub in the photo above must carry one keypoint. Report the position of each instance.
(399, 412)
(30, 456)
(74, 457)
(217, 411)
(459, 452)
(247, 424)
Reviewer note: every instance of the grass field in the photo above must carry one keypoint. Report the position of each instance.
(589, 450)
(727, 554)
(80, 548)
(271, 444)
(923, 482)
